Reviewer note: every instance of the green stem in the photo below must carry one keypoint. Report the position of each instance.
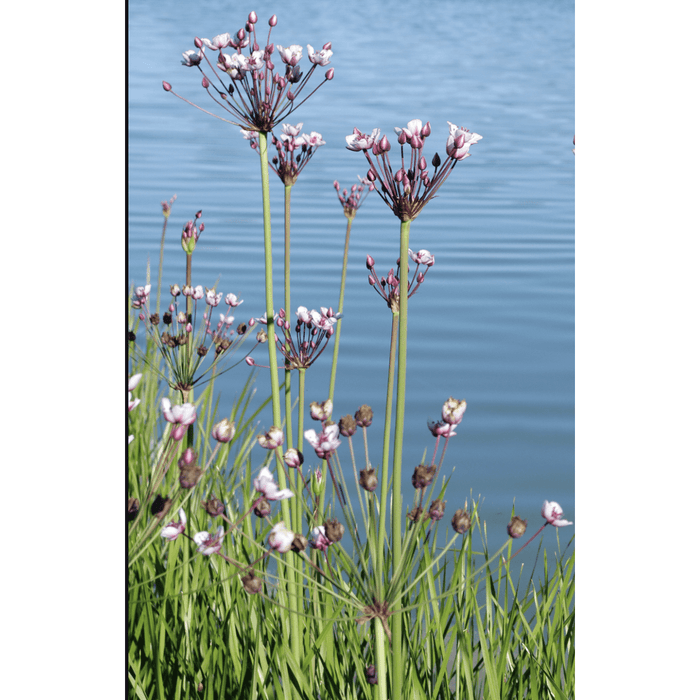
(396, 507)
(381, 529)
(288, 307)
(339, 310)
(381, 661)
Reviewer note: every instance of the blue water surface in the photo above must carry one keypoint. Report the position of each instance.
(494, 321)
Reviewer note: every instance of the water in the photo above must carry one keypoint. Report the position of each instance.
(494, 322)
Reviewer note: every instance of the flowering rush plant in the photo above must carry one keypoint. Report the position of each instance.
(240, 547)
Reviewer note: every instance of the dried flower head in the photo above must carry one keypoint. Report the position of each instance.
(437, 509)
(363, 416)
(334, 530)
(423, 476)
(251, 583)
(213, 506)
(347, 425)
(461, 521)
(516, 527)
(368, 479)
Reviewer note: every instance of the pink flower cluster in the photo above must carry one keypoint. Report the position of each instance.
(255, 95)
(388, 287)
(408, 189)
(352, 202)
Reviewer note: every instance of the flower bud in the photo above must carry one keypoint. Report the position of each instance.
(251, 583)
(368, 479)
(370, 262)
(224, 431)
(334, 530)
(299, 544)
(461, 521)
(330, 73)
(187, 459)
(293, 458)
(252, 18)
(437, 509)
(317, 480)
(262, 508)
(423, 476)
(167, 86)
(272, 21)
(516, 527)
(363, 416)
(213, 506)
(347, 425)
(189, 476)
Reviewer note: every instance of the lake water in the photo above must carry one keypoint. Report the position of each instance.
(494, 321)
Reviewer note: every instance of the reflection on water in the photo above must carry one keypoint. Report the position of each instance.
(494, 321)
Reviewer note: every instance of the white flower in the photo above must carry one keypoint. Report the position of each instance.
(413, 129)
(319, 58)
(209, 544)
(326, 442)
(459, 140)
(232, 300)
(265, 484)
(185, 413)
(422, 257)
(173, 530)
(220, 41)
(291, 55)
(552, 512)
(281, 538)
(358, 141)
(192, 58)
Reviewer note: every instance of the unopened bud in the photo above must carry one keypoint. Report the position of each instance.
(252, 18)
(299, 544)
(213, 506)
(187, 459)
(330, 73)
(516, 527)
(368, 479)
(461, 521)
(334, 530)
(167, 86)
(437, 509)
(251, 583)
(347, 425)
(363, 416)
(272, 21)
(262, 508)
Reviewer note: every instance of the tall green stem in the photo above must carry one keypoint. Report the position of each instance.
(381, 661)
(274, 382)
(396, 507)
(381, 529)
(339, 310)
(288, 307)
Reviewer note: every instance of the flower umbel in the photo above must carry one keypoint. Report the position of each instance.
(408, 189)
(294, 151)
(353, 201)
(388, 287)
(244, 83)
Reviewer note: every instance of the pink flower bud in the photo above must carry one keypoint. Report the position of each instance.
(370, 262)
(178, 432)
(205, 82)
(327, 47)
(330, 73)
(252, 18)
(198, 42)
(167, 86)
(272, 21)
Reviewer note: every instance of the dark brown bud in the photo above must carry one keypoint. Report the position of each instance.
(415, 514)
(131, 336)
(202, 350)
(251, 583)
(299, 544)
(263, 508)
(363, 416)
(371, 675)
(167, 318)
(155, 319)
(348, 425)
(368, 479)
(437, 509)
(516, 527)
(242, 328)
(132, 508)
(160, 506)
(423, 476)
(213, 506)
(334, 530)
(189, 476)
(461, 521)
(436, 161)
